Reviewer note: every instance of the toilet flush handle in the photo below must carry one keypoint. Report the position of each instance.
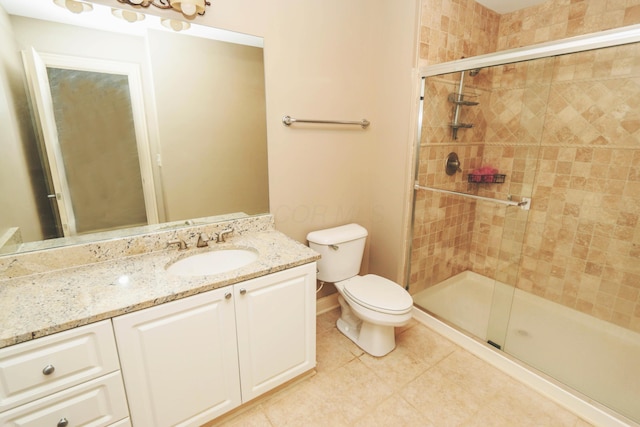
(334, 247)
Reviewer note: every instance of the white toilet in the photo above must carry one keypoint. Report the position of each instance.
(372, 306)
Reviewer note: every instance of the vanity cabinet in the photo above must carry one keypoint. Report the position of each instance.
(276, 324)
(179, 360)
(189, 361)
(68, 378)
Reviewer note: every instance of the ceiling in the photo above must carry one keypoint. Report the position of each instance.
(506, 6)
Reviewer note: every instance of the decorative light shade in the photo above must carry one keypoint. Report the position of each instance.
(127, 15)
(175, 25)
(188, 7)
(74, 5)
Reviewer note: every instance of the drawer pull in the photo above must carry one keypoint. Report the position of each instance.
(63, 422)
(243, 291)
(48, 370)
(227, 295)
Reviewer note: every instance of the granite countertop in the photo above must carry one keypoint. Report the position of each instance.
(41, 304)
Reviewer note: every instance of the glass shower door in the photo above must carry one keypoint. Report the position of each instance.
(565, 275)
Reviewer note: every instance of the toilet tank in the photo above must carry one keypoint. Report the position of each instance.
(341, 249)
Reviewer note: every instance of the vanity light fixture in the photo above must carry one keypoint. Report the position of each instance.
(188, 8)
(175, 25)
(74, 5)
(127, 15)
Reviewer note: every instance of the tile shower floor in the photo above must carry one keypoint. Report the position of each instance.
(426, 381)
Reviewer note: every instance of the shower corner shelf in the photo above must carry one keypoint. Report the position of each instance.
(461, 125)
(486, 179)
(458, 99)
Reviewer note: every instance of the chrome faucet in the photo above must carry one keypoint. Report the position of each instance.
(182, 245)
(223, 234)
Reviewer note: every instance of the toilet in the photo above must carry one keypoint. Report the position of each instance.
(372, 306)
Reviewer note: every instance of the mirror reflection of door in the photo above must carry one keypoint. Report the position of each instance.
(102, 181)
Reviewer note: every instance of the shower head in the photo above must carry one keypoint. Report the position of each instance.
(474, 72)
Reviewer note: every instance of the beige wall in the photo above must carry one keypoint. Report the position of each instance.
(212, 130)
(335, 60)
(344, 61)
(17, 205)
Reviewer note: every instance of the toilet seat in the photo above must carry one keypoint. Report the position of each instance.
(378, 294)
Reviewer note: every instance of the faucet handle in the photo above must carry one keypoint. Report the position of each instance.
(223, 234)
(182, 245)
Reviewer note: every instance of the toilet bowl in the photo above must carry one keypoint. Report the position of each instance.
(371, 306)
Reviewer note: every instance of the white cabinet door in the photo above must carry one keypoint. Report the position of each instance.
(179, 360)
(275, 315)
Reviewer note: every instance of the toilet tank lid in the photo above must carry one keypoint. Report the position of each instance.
(343, 233)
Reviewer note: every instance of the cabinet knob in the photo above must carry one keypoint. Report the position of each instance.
(48, 370)
(227, 295)
(243, 291)
(63, 422)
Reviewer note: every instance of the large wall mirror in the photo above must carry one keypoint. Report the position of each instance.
(111, 128)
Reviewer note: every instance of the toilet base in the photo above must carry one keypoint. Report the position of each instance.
(376, 340)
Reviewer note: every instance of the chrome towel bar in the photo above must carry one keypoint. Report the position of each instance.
(288, 120)
(524, 204)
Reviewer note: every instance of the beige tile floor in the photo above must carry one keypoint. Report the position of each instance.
(426, 381)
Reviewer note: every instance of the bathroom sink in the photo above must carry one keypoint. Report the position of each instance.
(212, 262)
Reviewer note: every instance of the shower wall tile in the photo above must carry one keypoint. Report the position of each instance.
(578, 160)
(443, 224)
(584, 226)
(558, 19)
(453, 29)
(437, 110)
(441, 239)
(436, 124)
(580, 243)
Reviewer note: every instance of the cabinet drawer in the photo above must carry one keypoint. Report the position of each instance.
(100, 402)
(37, 368)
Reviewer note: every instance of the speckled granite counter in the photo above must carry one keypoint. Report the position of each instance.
(43, 303)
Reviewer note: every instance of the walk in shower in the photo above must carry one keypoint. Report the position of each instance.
(532, 244)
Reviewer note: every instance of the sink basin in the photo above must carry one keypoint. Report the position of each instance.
(212, 262)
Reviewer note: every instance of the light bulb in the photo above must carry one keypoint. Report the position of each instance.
(188, 9)
(73, 6)
(175, 25)
(129, 16)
